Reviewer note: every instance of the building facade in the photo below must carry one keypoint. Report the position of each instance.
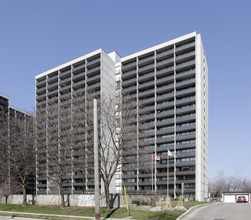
(170, 85)
(12, 123)
(63, 96)
(170, 82)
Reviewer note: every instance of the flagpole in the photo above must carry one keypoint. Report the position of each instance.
(167, 177)
(152, 172)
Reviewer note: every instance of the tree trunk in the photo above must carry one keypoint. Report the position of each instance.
(24, 195)
(61, 193)
(107, 196)
(6, 199)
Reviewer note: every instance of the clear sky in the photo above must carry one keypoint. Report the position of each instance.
(36, 36)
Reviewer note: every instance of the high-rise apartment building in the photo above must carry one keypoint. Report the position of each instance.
(170, 85)
(12, 122)
(170, 82)
(61, 94)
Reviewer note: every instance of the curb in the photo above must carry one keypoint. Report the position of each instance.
(192, 209)
(53, 215)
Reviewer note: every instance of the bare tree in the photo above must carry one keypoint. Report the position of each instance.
(115, 134)
(57, 145)
(19, 156)
(69, 138)
(65, 142)
(222, 183)
(4, 155)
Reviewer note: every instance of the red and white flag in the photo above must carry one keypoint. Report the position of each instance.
(157, 157)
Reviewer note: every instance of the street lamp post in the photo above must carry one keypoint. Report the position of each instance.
(96, 162)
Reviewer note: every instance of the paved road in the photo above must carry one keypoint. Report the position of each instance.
(221, 211)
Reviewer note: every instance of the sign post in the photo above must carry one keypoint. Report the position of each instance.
(182, 191)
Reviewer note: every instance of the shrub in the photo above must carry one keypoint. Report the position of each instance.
(135, 202)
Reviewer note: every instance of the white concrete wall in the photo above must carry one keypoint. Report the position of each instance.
(108, 84)
(201, 122)
(81, 200)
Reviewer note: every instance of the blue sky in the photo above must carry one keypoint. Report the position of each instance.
(36, 36)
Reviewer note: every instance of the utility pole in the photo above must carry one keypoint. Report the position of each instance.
(96, 166)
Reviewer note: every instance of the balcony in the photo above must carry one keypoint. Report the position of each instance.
(53, 100)
(40, 103)
(146, 109)
(185, 119)
(185, 56)
(52, 79)
(93, 71)
(186, 110)
(164, 131)
(146, 85)
(93, 86)
(147, 134)
(79, 76)
(164, 105)
(129, 74)
(185, 146)
(93, 63)
(41, 97)
(167, 122)
(128, 66)
(146, 68)
(146, 77)
(164, 63)
(165, 80)
(188, 100)
(146, 60)
(187, 82)
(165, 140)
(185, 46)
(65, 73)
(65, 96)
(165, 54)
(129, 89)
(164, 89)
(146, 93)
(185, 65)
(53, 86)
(93, 79)
(188, 91)
(165, 71)
(165, 96)
(165, 114)
(65, 81)
(79, 67)
(79, 84)
(62, 89)
(147, 117)
(52, 93)
(147, 101)
(129, 82)
(185, 128)
(41, 83)
(185, 74)
(40, 90)
(185, 137)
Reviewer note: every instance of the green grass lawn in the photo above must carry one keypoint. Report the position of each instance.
(77, 211)
(84, 211)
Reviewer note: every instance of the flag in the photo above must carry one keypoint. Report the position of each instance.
(171, 154)
(157, 157)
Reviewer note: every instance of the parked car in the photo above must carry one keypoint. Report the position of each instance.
(241, 199)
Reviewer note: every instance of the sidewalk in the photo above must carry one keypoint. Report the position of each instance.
(53, 215)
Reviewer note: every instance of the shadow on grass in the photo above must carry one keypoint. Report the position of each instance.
(110, 214)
